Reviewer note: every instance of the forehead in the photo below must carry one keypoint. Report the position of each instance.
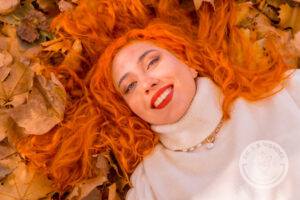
(132, 52)
(126, 59)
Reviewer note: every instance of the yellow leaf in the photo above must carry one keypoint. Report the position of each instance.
(23, 183)
(72, 60)
(57, 45)
(112, 192)
(289, 17)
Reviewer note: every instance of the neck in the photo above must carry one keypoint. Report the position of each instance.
(200, 119)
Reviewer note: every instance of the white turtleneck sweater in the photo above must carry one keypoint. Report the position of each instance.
(214, 174)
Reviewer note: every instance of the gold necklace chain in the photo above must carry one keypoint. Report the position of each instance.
(208, 141)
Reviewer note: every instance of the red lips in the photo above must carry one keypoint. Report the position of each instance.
(158, 93)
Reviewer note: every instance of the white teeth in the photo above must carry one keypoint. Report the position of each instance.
(162, 97)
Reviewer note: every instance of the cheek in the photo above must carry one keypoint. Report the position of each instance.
(136, 104)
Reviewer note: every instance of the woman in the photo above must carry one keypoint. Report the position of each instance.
(161, 90)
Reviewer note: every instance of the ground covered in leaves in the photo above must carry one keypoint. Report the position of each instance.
(32, 103)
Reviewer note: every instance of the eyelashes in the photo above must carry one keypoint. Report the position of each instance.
(132, 84)
(130, 87)
(155, 60)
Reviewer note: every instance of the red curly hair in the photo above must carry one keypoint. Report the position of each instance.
(99, 119)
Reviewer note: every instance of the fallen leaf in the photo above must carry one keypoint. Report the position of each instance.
(5, 150)
(3, 42)
(31, 24)
(27, 32)
(7, 165)
(24, 183)
(5, 59)
(37, 68)
(16, 47)
(95, 194)
(57, 45)
(4, 72)
(14, 90)
(7, 6)
(198, 3)
(48, 6)
(15, 17)
(296, 43)
(289, 17)
(84, 188)
(65, 6)
(44, 108)
(112, 192)
(72, 59)
(5, 125)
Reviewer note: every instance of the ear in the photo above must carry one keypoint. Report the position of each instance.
(193, 72)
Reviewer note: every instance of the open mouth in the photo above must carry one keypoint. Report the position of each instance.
(162, 97)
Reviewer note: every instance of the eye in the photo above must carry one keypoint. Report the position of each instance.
(130, 87)
(155, 60)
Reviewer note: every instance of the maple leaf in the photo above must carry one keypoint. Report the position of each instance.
(15, 88)
(23, 183)
(44, 108)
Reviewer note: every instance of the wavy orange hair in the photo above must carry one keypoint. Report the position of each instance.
(98, 119)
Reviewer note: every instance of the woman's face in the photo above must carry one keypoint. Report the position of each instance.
(156, 85)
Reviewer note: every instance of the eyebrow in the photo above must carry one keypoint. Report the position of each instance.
(139, 60)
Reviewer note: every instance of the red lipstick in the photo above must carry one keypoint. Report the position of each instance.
(165, 101)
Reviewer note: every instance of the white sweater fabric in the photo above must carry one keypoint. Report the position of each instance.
(215, 174)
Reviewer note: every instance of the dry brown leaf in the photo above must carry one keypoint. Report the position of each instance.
(5, 150)
(57, 45)
(15, 46)
(7, 6)
(5, 125)
(65, 5)
(3, 42)
(44, 108)
(72, 60)
(7, 165)
(198, 3)
(23, 183)
(289, 17)
(296, 43)
(5, 59)
(112, 192)
(84, 188)
(15, 89)
(4, 72)
(48, 6)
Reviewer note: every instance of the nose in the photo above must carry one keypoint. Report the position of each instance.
(149, 84)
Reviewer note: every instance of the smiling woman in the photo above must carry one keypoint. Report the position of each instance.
(154, 79)
(159, 86)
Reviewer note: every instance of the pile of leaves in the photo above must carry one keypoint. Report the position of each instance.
(34, 103)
